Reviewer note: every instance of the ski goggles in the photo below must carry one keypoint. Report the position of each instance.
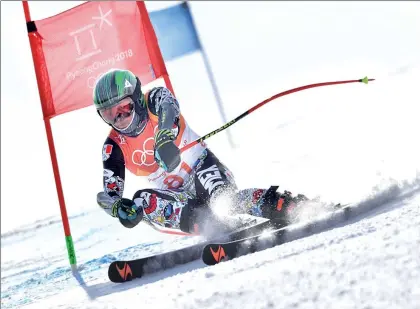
(120, 116)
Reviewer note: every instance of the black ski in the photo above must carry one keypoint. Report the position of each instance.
(217, 252)
(121, 271)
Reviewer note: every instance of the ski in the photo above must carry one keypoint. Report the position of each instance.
(216, 252)
(121, 271)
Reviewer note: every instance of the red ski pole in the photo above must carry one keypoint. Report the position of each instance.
(278, 95)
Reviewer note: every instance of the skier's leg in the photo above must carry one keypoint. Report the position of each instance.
(162, 207)
(183, 210)
(212, 180)
(178, 210)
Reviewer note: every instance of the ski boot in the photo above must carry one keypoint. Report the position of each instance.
(280, 207)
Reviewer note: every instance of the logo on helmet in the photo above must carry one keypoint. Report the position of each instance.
(127, 84)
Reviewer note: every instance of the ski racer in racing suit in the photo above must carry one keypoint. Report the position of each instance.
(147, 133)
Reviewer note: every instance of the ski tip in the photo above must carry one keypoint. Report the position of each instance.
(213, 254)
(120, 271)
(366, 80)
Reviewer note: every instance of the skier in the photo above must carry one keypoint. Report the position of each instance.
(147, 133)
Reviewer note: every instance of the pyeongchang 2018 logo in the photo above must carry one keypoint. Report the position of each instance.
(82, 50)
(86, 45)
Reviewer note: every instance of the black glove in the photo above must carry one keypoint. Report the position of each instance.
(127, 212)
(167, 154)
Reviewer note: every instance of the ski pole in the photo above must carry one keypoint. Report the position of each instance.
(278, 95)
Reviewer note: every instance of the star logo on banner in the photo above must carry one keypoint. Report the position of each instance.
(102, 17)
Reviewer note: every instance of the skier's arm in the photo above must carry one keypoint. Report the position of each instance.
(113, 176)
(111, 198)
(163, 104)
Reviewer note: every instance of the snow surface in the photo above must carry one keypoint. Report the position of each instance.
(350, 143)
(371, 263)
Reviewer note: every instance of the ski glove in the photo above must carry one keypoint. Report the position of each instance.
(167, 154)
(127, 212)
